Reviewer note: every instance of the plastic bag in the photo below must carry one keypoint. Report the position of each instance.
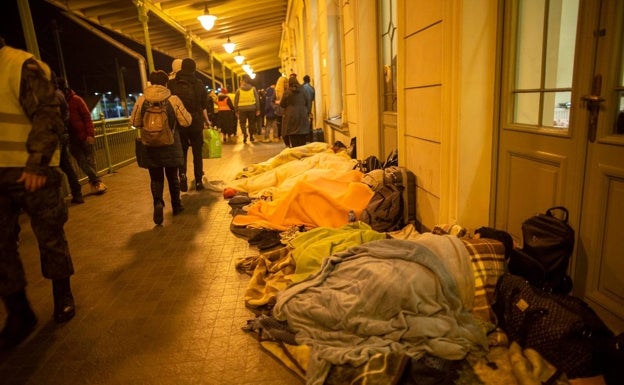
(212, 144)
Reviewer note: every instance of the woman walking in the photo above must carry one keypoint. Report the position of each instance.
(165, 160)
(295, 123)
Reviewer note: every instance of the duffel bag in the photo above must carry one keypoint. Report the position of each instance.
(562, 328)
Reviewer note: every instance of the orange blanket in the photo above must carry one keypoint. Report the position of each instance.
(319, 198)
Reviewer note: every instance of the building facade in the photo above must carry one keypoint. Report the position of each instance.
(502, 109)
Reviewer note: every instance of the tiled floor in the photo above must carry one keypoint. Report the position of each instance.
(155, 304)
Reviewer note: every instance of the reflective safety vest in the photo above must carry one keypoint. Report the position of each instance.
(246, 97)
(14, 124)
(223, 104)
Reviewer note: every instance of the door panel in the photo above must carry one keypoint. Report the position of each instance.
(535, 180)
(603, 201)
(562, 134)
(540, 159)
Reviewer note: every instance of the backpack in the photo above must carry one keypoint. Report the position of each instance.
(156, 131)
(562, 328)
(185, 90)
(385, 210)
(547, 247)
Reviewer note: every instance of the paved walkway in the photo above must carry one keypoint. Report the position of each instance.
(155, 304)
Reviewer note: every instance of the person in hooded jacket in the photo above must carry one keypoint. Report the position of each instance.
(166, 160)
(196, 103)
(295, 122)
(82, 136)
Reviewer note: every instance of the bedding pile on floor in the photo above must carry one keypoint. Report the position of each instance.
(338, 302)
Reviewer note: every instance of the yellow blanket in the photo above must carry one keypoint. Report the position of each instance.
(320, 198)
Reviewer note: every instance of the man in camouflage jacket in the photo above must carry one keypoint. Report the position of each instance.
(30, 180)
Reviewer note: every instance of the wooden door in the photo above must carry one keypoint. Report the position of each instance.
(560, 59)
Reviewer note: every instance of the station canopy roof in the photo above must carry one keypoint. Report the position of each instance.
(255, 26)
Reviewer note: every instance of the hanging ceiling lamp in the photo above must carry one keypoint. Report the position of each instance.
(229, 46)
(207, 20)
(239, 58)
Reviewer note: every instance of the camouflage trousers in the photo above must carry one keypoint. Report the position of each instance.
(48, 214)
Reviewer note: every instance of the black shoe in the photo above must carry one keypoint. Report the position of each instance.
(20, 322)
(77, 199)
(183, 183)
(245, 139)
(177, 209)
(158, 213)
(251, 138)
(199, 186)
(64, 308)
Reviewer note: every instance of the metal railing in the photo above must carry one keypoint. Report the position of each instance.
(114, 146)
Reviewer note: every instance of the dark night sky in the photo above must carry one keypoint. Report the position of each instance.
(89, 61)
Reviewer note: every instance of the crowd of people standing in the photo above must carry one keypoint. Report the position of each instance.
(44, 120)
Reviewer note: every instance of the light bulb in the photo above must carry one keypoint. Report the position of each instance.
(229, 46)
(207, 20)
(239, 58)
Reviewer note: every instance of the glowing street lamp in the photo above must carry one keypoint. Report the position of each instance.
(229, 46)
(239, 59)
(207, 20)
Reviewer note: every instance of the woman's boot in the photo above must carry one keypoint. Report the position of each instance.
(20, 322)
(174, 192)
(159, 204)
(64, 308)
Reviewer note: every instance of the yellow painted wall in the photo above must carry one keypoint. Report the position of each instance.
(446, 80)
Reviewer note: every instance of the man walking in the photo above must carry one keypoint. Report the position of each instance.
(82, 136)
(247, 107)
(30, 180)
(191, 91)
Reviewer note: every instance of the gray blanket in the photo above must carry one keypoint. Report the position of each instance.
(379, 297)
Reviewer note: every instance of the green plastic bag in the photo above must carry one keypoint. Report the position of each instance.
(212, 144)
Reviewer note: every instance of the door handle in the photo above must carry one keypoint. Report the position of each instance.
(593, 106)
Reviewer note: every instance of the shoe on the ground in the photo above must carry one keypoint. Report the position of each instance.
(177, 209)
(199, 186)
(77, 199)
(64, 308)
(183, 183)
(98, 188)
(251, 138)
(158, 213)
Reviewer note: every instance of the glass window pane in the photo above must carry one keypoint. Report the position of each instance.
(618, 127)
(619, 120)
(389, 48)
(557, 109)
(526, 108)
(560, 43)
(529, 44)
